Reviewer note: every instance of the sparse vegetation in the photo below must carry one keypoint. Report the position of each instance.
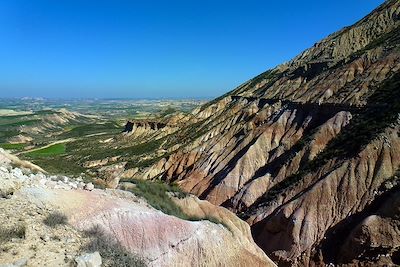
(112, 253)
(388, 39)
(146, 162)
(381, 111)
(56, 218)
(142, 148)
(156, 195)
(60, 165)
(6, 133)
(270, 76)
(7, 234)
(167, 111)
(209, 218)
(91, 150)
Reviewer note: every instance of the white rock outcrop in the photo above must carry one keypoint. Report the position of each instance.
(89, 260)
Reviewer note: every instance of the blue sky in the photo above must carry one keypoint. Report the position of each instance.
(156, 49)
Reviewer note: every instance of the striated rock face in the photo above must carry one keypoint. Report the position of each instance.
(162, 240)
(302, 151)
(126, 220)
(312, 220)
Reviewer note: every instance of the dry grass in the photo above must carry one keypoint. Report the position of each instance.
(7, 234)
(112, 253)
(54, 219)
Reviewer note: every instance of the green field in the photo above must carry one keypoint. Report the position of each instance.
(20, 123)
(50, 151)
(12, 146)
(81, 130)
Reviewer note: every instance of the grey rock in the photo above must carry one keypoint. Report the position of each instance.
(81, 185)
(89, 260)
(89, 187)
(18, 263)
(17, 172)
(51, 184)
(21, 262)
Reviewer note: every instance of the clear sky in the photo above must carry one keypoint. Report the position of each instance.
(156, 49)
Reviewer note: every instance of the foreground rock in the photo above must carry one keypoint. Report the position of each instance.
(124, 220)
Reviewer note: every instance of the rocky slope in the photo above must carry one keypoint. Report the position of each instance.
(52, 220)
(307, 152)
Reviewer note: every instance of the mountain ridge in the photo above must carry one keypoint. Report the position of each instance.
(298, 132)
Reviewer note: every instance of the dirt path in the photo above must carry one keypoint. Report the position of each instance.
(96, 134)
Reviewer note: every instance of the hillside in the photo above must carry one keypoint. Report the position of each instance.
(308, 152)
(58, 221)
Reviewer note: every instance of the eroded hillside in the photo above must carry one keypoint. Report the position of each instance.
(307, 152)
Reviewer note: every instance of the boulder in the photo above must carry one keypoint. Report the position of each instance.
(89, 187)
(89, 260)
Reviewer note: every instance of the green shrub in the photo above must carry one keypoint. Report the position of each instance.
(156, 195)
(56, 218)
(60, 165)
(209, 218)
(17, 231)
(145, 163)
